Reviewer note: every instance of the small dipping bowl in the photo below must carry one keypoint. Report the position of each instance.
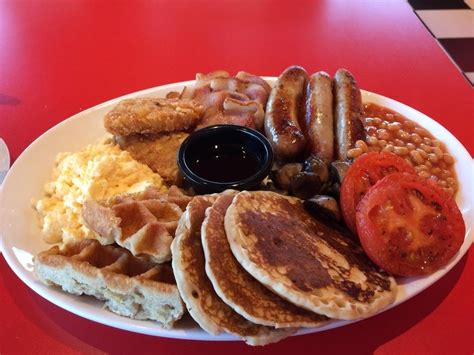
(222, 157)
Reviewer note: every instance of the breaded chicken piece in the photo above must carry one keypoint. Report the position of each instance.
(158, 152)
(152, 116)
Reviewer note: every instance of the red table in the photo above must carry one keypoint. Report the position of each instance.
(60, 57)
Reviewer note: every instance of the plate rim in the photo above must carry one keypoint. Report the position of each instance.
(122, 322)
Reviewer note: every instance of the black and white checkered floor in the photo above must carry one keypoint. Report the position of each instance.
(451, 22)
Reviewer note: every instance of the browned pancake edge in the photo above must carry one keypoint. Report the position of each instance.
(206, 308)
(236, 287)
(303, 260)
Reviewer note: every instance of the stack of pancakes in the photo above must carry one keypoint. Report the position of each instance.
(257, 265)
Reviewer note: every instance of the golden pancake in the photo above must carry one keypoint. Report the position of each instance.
(207, 309)
(238, 288)
(303, 260)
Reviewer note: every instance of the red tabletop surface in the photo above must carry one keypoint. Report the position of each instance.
(60, 57)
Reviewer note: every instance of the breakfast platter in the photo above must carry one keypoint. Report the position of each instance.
(24, 185)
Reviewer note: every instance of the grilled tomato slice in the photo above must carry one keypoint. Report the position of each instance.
(408, 225)
(362, 175)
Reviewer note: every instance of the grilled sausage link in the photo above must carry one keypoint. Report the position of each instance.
(318, 116)
(348, 113)
(281, 118)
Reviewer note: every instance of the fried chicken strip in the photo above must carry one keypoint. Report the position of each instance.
(159, 152)
(152, 116)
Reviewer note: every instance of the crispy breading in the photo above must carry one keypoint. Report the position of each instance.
(152, 116)
(158, 152)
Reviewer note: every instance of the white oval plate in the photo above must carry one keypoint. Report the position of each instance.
(21, 236)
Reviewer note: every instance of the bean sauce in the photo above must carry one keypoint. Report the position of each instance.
(387, 130)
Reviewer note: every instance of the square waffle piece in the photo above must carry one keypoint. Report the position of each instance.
(143, 223)
(130, 286)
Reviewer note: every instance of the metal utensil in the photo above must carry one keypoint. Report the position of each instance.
(4, 160)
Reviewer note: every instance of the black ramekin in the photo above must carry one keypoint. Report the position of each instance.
(248, 138)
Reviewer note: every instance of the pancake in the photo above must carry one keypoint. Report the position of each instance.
(206, 308)
(238, 288)
(303, 260)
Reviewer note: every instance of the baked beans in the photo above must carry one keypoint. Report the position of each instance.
(389, 131)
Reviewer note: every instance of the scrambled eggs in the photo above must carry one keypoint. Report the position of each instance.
(96, 172)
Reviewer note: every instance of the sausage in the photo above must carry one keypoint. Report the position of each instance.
(348, 113)
(281, 118)
(318, 118)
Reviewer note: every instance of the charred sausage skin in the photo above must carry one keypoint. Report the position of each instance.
(348, 113)
(318, 117)
(282, 127)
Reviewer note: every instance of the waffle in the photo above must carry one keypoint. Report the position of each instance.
(144, 224)
(173, 195)
(130, 286)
